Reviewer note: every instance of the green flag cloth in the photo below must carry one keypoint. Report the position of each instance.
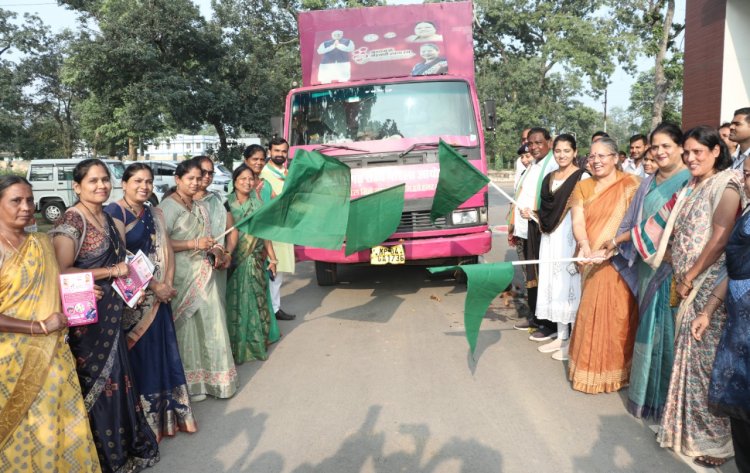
(457, 182)
(313, 208)
(484, 283)
(373, 218)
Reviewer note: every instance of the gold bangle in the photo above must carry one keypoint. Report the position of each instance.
(31, 328)
(44, 326)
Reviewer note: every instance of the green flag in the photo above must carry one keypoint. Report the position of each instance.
(457, 182)
(373, 218)
(484, 283)
(313, 208)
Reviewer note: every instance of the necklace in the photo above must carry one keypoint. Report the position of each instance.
(103, 230)
(189, 207)
(130, 207)
(9, 243)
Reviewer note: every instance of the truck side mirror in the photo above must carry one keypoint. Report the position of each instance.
(489, 115)
(277, 126)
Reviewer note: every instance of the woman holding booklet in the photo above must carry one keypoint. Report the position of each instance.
(40, 397)
(149, 329)
(86, 240)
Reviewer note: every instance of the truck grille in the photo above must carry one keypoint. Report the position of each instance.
(419, 221)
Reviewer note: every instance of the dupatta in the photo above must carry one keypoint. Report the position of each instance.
(28, 291)
(555, 204)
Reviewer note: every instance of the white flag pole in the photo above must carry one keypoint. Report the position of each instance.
(561, 260)
(511, 199)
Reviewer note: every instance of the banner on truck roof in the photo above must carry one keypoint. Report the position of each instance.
(343, 45)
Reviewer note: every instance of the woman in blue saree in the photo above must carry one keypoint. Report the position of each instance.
(653, 353)
(86, 240)
(729, 391)
(149, 329)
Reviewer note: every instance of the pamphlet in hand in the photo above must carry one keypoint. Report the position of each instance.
(78, 298)
(131, 286)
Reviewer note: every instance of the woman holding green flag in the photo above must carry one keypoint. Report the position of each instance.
(250, 318)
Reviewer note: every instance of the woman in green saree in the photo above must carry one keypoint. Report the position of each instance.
(653, 353)
(198, 309)
(250, 320)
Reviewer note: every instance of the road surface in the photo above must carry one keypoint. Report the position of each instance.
(374, 376)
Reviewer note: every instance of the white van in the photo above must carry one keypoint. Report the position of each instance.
(52, 181)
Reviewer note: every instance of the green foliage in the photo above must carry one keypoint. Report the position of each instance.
(534, 58)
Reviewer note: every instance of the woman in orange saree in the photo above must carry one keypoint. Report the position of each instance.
(601, 347)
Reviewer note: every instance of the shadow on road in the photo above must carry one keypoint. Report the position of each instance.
(367, 444)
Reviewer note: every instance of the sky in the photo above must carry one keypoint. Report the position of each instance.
(618, 95)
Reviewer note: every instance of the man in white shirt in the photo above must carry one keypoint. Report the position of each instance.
(540, 146)
(638, 148)
(724, 132)
(739, 132)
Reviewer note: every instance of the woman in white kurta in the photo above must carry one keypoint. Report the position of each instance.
(559, 283)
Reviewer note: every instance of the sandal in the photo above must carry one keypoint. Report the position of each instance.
(708, 461)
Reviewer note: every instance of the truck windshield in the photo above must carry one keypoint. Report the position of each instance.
(383, 111)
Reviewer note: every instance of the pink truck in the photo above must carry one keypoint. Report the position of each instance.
(381, 86)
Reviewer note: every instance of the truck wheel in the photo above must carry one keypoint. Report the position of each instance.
(153, 200)
(460, 275)
(326, 273)
(53, 210)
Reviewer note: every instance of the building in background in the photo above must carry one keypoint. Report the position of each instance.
(717, 61)
(177, 147)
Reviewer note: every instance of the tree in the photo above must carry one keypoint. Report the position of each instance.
(642, 96)
(142, 63)
(534, 57)
(19, 40)
(652, 21)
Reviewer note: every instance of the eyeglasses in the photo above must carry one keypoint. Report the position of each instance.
(600, 157)
(207, 173)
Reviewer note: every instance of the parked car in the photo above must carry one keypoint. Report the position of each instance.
(52, 180)
(164, 178)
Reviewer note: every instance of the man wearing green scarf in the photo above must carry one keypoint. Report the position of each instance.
(540, 146)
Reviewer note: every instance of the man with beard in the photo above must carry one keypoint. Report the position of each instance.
(638, 148)
(275, 173)
(739, 132)
(540, 147)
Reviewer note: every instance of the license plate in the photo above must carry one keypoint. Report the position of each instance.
(388, 255)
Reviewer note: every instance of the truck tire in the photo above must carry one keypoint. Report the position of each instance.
(52, 210)
(326, 273)
(460, 275)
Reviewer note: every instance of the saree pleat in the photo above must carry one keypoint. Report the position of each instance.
(199, 309)
(43, 423)
(123, 438)
(149, 329)
(601, 346)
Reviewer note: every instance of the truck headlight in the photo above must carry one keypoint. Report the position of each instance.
(465, 217)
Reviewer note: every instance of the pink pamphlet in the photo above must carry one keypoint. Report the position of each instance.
(78, 298)
(131, 286)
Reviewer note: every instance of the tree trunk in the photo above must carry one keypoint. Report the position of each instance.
(132, 149)
(223, 153)
(661, 86)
